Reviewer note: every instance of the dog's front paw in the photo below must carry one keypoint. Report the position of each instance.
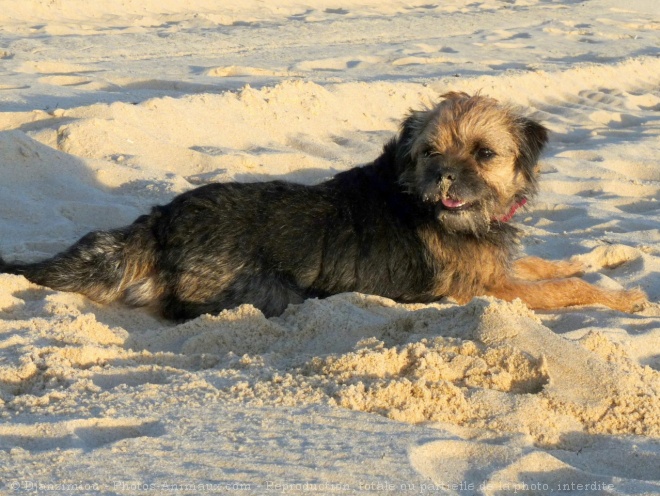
(631, 301)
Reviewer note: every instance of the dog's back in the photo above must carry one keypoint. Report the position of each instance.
(268, 244)
(271, 244)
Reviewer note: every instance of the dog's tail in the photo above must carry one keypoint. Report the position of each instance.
(103, 265)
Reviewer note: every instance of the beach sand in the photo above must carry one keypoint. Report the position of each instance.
(108, 108)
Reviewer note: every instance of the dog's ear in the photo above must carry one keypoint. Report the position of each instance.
(411, 128)
(455, 95)
(532, 138)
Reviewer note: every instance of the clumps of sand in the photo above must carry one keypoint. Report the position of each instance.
(634, 406)
(506, 371)
(426, 380)
(488, 365)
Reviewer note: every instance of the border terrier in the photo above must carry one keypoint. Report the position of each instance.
(429, 218)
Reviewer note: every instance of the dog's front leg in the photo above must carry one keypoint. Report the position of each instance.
(537, 269)
(560, 293)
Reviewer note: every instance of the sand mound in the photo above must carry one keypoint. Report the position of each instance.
(488, 365)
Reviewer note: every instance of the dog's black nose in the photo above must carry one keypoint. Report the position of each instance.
(445, 176)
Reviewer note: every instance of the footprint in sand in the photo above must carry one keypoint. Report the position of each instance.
(86, 434)
(108, 380)
(589, 155)
(644, 101)
(65, 80)
(560, 213)
(13, 87)
(421, 61)
(424, 54)
(640, 207)
(58, 73)
(241, 71)
(53, 68)
(339, 11)
(336, 63)
(616, 120)
(428, 6)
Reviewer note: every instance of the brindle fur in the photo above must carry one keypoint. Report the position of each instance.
(381, 229)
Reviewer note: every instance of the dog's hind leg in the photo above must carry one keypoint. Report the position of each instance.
(102, 265)
(537, 269)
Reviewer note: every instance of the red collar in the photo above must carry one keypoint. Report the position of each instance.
(512, 211)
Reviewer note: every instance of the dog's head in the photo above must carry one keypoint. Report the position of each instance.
(471, 159)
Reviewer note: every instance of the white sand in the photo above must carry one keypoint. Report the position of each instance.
(110, 107)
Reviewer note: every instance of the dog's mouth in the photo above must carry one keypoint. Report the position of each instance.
(455, 205)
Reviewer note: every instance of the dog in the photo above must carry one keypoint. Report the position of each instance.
(429, 218)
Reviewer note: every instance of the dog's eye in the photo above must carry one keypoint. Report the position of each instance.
(430, 152)
(483, 154)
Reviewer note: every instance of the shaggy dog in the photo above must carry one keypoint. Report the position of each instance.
(429, 218)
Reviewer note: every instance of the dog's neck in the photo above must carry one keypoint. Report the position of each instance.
(512, 211)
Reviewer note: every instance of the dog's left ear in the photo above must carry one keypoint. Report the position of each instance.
(532, 138)
(411, 128)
